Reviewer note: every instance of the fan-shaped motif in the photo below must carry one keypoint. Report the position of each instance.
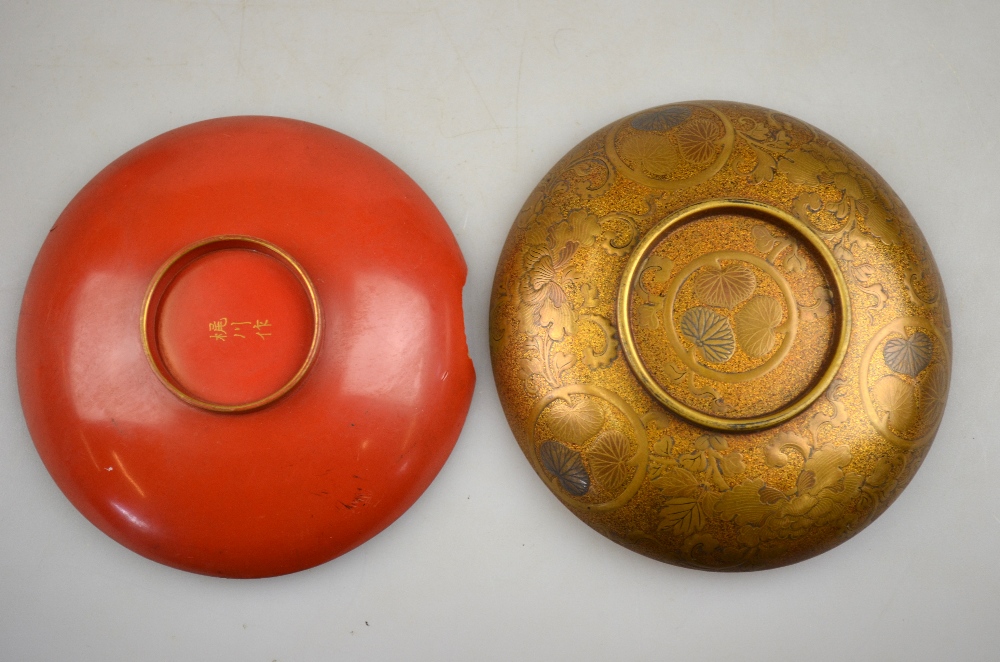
(698, 140)
(650, 152)
(724, 286)
(895, 397)
(609, 457)
(755, 324)
(566, 465)
(663, 119)
(577, 422)
(908, 356)
(933, 395)
(710, 332)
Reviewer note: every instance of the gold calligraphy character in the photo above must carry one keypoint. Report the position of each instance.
(218, 328)
(238, 326)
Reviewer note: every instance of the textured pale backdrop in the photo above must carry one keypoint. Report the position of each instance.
(476, 100)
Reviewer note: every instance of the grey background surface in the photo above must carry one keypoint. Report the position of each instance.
(476, 100)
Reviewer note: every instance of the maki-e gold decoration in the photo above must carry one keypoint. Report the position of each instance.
(719, 337)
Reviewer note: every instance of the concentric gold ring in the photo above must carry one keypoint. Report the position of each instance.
(840, 298)
(172, 267)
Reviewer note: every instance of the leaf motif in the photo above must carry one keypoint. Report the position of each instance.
(660, 267)
(896, 398)
(713, 441)
(836, 418)
(755, 325)
(695, 462)
(877, 292)
(565, 465)
(842, 208)
(764, 170)
(575, 422)
(793, 262)
(820, 309)
(664, 446)
(774, 450)
(709, 500)
(710, 333)
(606, 355)
(563, 362)
(661, 119)
(863, 272)
(724, 286)
(704, 543)
(842, 252)
(609, 457)
(533, 366)
(674, 373)
(527, 379)
(880, 473)
(763, 239)
(732, 465)
(720, 407)
(683, 514)
(678, 483)
(648, 314)
(757, 130)
(908, 356)
(806, 203)
(650, 152)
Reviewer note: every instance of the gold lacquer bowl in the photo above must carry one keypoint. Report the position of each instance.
(719, 336)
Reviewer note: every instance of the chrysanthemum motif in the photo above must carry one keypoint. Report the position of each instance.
(710, 333)
(895, 397)
(698, 140)
(755, 325)
(650, 152)
(566, 465)
(908, 356)
(609, 459)
(577, 422)
(662, 119)
(724, 286)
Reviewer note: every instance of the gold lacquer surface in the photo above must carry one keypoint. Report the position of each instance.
(719, 336)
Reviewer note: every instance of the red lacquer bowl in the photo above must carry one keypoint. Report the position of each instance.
(241, 349)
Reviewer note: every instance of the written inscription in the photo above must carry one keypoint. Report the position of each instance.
(222, 329)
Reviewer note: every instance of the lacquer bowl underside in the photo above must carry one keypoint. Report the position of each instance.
(719, 337)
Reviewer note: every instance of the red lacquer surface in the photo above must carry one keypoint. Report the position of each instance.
(311, 475)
